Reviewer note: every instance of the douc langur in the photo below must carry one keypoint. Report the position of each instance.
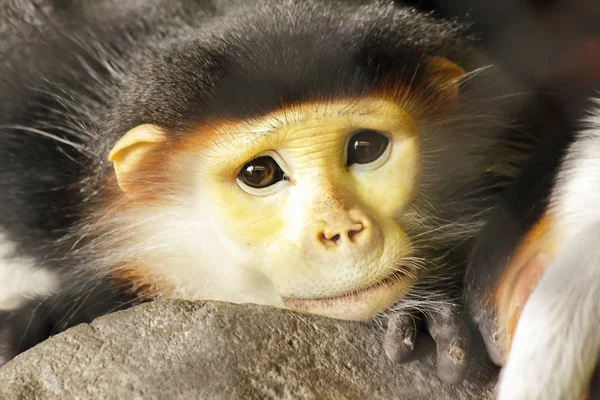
(532, 282)
(327, 157)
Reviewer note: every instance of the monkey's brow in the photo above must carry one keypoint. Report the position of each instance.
(231, 138)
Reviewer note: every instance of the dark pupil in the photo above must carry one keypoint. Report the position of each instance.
(366, 146)
(261, 172)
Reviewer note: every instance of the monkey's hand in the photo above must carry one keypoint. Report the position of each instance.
(449, 331)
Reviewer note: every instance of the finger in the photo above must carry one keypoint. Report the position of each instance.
(400, 337)
(452, 338)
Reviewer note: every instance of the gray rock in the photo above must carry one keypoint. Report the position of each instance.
(181, 350)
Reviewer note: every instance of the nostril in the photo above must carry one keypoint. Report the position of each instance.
(356, 229)
(333, 239)
(330, 240)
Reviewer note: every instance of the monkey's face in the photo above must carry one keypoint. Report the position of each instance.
(295, 209)
(308, 199)
(285, 179)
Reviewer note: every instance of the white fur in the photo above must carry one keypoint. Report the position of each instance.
(557, 341)
(556, 344)
(20, 278)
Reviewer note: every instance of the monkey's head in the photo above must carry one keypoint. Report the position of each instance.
(275, 158)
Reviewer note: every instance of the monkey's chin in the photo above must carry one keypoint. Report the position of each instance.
(359, 305)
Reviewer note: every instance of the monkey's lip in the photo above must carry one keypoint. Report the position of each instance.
(359, 304)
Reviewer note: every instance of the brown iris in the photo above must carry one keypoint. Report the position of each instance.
(261, 172)
(366, 146)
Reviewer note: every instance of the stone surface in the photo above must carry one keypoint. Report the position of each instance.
(180, 350)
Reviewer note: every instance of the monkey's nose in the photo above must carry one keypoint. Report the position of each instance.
(340, 232)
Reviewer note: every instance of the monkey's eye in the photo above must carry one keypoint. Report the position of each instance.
(366, 146)
(261, 172)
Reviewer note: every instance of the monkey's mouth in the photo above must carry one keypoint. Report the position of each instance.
(359, 304)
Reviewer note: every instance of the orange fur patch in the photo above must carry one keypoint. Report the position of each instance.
(139, 281)
(521, 275)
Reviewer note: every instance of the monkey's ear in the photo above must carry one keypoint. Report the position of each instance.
(130, 151)
(444, 75)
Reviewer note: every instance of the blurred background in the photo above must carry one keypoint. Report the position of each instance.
(551, 45)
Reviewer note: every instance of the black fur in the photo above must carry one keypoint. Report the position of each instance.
(521, 205)
(111, 67)
(76, 75)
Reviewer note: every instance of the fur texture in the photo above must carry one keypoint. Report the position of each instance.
(557, 344)
(21, 278)
(76, 77)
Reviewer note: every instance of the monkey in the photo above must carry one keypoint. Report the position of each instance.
(531, 282)
(333, 157)
(539, 241)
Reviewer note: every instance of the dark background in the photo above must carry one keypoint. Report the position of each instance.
(551, 45)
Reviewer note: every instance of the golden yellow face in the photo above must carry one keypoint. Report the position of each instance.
(313, 191)
(298, 209)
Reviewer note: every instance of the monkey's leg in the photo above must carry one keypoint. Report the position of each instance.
(448, 329)
(501, 275)
(497, 322)
(553, 332)
(556, 345)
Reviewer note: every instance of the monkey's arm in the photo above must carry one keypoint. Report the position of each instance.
(533, 283)
(540, 319)
(556, 341)
(516, 228)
